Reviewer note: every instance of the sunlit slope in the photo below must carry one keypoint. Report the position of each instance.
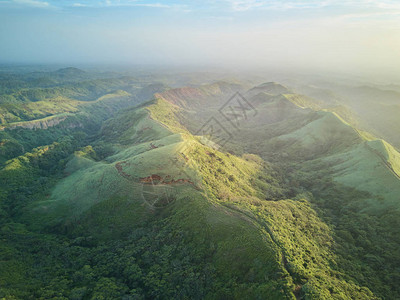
(302, 240)
(217, 198)
(375, 109)
(297, 128)
(388, 154)
(158, 211)
(35, 103)
(150, 146)
(325, 134)
(372, 166)
(143, 148)
(353, 158)
(107, 199)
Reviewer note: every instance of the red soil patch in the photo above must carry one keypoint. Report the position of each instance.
(119, 167)
(151, 179)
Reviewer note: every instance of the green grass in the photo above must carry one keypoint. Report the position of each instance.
(98, 200)
(215, 225)
(13, 113)
(327, 132)
(364, 169)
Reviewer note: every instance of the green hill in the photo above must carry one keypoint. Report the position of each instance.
(374, 109)
(271, 88)
(137, 203)
(174, 164)
(353, 178)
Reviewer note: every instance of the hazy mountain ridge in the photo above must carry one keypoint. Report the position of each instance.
(217, 221)
(374, 108)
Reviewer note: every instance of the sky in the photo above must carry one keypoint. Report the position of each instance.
(336, 35)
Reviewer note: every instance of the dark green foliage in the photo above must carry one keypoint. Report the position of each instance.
(18, 141)
(31, 173)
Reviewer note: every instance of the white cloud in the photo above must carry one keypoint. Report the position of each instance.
(136, 3)
(33, 3)
(245, 5)
(79, 5)
(156, 5)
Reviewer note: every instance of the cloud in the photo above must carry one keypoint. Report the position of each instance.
(156, 5)
(33, 3)
(135, 3)
(95, 4)
(243, 5)
(246, 5)
(177, 7)
(222, 5)
(79, 5)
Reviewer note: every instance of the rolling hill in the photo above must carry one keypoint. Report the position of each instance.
(145, 203)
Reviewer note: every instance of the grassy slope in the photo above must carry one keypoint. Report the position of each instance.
(41, 111)
(368, 169)
(303, 241)
(240, 186)
(58, 115)
(274, 249)
(81, 194)
(376, 108)
(370, 166)
(353, 177)
(326, 135)
(354, 158)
